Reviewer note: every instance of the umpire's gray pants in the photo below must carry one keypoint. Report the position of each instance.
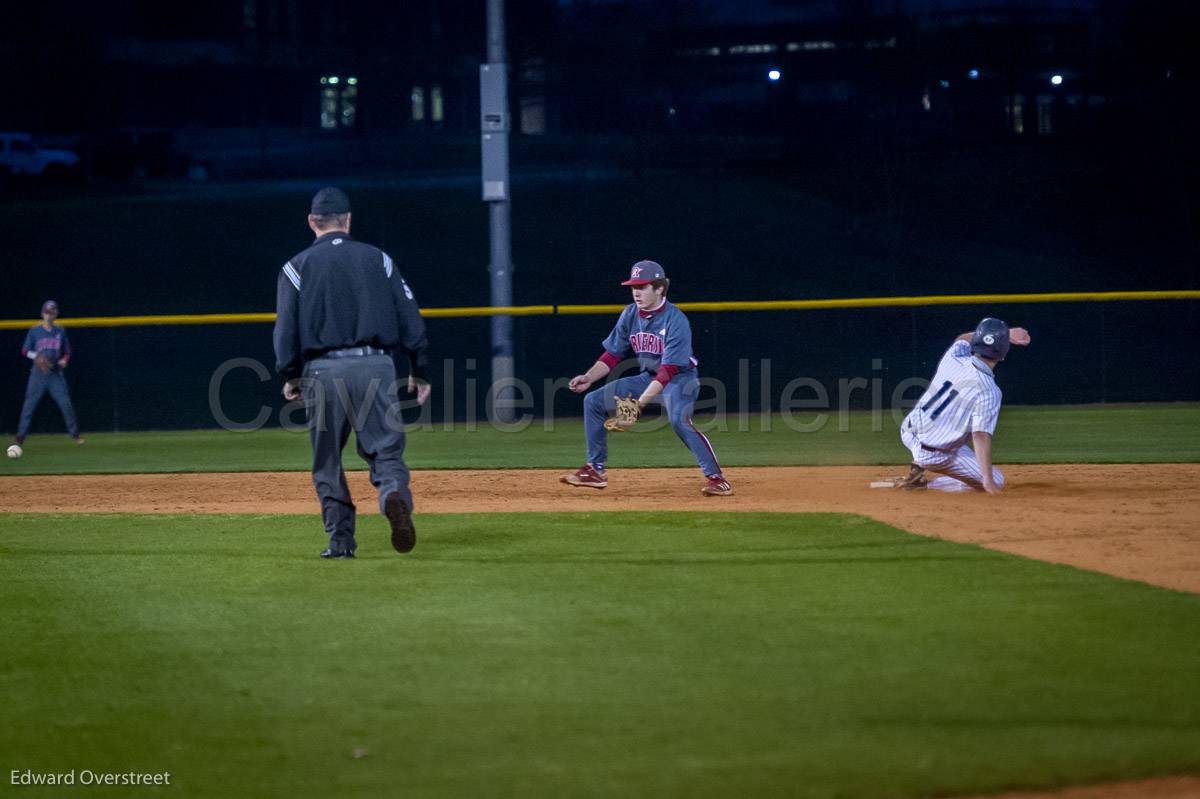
(360, 394)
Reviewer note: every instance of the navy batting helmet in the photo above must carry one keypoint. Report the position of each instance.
(990, 340)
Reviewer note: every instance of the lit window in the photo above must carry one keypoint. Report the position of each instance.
(743, 49)
(418, 103)
(821, 45)
(329, 107)
(1016, 113)
(349, 105)
(1045, 111)
(437, 110)
(533, 115)
(339, 102)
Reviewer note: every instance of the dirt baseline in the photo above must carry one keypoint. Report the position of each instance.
(1140, 522)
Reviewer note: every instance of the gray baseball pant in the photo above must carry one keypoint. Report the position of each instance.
(357, 393)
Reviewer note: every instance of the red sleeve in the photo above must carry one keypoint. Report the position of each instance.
(665, 373)
(609, 360)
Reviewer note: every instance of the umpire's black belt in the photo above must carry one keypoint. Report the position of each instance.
(353, 352)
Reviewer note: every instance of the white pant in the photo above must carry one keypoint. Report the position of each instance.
(960, 467)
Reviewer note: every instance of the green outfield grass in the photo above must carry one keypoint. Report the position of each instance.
(579, 655)
(1053, 434)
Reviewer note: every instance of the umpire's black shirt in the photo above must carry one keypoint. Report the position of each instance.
(342, 293)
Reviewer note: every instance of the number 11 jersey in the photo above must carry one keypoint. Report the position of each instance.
(962, 399)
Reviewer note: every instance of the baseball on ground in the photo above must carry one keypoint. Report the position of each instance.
(15, 451)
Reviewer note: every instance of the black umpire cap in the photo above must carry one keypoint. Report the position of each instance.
(330, 200)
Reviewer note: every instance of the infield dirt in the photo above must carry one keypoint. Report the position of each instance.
(1140, 522)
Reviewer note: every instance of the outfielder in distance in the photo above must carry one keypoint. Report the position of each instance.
(658, 334)
(50, 350)
(961, 404)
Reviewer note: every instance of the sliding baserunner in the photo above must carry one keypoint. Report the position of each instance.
(961, 405)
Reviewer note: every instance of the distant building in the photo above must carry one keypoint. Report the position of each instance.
(372, 65)
(812, 69)
(797, 68)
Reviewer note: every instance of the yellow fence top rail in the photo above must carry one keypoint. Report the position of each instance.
(552, 310)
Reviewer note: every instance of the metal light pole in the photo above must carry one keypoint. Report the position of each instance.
(493, 102)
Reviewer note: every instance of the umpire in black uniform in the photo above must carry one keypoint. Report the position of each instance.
(343, 310)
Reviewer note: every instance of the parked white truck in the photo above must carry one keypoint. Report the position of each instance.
(21, 155)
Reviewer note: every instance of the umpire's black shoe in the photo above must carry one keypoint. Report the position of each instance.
(404, 535)
(337, 554)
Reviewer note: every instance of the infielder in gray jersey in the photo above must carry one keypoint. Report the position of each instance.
(961, 405)
(658, 334)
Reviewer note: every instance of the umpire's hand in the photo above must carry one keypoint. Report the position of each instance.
(421, 387)
(291, 390)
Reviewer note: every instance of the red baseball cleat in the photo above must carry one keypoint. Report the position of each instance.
(586, 476)
(717, 486)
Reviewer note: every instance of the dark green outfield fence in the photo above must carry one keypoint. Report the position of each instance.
(190, 372)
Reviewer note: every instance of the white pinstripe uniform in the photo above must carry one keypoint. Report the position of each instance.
(962, 399)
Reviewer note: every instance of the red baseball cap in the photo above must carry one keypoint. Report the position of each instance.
(644, 272)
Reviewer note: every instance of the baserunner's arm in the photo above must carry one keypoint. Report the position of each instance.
(983, 454)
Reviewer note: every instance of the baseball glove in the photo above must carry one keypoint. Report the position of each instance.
(628, 412)
(43, 363)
